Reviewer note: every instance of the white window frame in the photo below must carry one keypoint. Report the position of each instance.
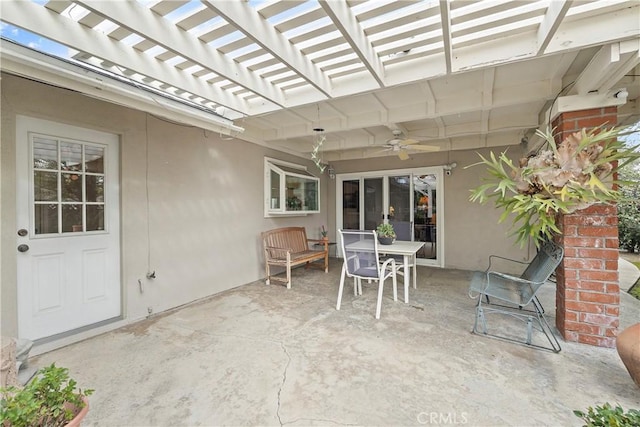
(274, 207)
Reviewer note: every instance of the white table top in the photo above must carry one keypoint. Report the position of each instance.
(399, 247)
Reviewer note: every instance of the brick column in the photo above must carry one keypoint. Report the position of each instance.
(588, 292)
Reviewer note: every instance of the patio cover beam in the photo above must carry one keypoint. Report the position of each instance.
(137, 19)
(445, 18)
(244, 18)
(48, 24)
(553, 18)
(608, 66)
(347, 24)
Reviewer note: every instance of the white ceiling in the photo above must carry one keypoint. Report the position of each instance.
(456, 74)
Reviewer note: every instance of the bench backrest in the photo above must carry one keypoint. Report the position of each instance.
(544, 263)
(294, 238)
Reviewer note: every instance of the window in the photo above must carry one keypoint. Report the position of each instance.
(68, 186)
(289, 189)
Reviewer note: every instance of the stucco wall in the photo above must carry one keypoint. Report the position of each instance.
(191, 209)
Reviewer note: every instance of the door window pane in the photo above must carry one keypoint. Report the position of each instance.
(45, 153)
(373, 198)
(70, 156)
(95, 217)
(46, 218)
(400, 206)
(94, 159)
(95, 188)
(424, 187)
(351, 205)
(45, 186)
(71, 187)
(71, 218)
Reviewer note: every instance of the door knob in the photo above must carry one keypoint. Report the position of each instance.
(22, 232)
(23, 248)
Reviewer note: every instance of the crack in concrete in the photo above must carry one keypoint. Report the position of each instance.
(322, 420)
(284, 380)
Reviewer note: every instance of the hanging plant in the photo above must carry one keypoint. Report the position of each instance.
(573, 175)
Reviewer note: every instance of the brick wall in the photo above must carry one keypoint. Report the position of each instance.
(567, 123)
(588, 292)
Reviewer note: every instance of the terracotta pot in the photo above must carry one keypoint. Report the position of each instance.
(75, 422)
(628, 346)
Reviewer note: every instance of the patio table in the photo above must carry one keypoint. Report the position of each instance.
(406, 249)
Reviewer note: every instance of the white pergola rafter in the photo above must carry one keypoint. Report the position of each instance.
(350, 29)
(25, 14)
(553, 18)
(445, 18)
(244, 18)
(160, 31)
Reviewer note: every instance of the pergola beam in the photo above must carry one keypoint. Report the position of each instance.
(48, 24)
(342, 17)
(137, 19)
(553, 18)
(243, 17)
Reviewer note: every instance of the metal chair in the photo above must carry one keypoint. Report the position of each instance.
(362, 261)
(517, 292)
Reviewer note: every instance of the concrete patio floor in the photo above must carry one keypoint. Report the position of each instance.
(265, 355)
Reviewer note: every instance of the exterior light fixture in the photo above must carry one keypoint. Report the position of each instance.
(621, 94)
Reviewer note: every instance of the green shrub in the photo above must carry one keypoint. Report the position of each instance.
(608, 416)
(48, 400)
(629, 208)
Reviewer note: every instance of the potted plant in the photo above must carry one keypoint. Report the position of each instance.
(578, 172)
(51, 398)
(609, 416)
(386, 234)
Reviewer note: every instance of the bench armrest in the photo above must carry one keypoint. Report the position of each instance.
(273, 250)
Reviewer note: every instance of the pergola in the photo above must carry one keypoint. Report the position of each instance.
(453, 74)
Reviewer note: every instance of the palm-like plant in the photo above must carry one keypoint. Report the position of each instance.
(577, 173)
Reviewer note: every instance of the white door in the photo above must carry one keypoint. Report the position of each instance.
(68, 237)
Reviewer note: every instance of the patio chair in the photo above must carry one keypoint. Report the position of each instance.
(517, 295)
(362, 261)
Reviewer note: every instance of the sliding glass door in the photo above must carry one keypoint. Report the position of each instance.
(410, 200)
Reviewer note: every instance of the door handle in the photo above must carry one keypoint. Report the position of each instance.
(23, 248)
(22, 232)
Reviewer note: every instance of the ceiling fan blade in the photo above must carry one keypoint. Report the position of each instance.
(424, 148)
(409, 141)
(403, 155)
(384, 150)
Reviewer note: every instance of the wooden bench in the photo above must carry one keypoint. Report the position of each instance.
(289, 247)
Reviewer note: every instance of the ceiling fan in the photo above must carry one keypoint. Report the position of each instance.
(400, 145)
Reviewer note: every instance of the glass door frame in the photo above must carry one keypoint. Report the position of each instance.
(438, 171)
